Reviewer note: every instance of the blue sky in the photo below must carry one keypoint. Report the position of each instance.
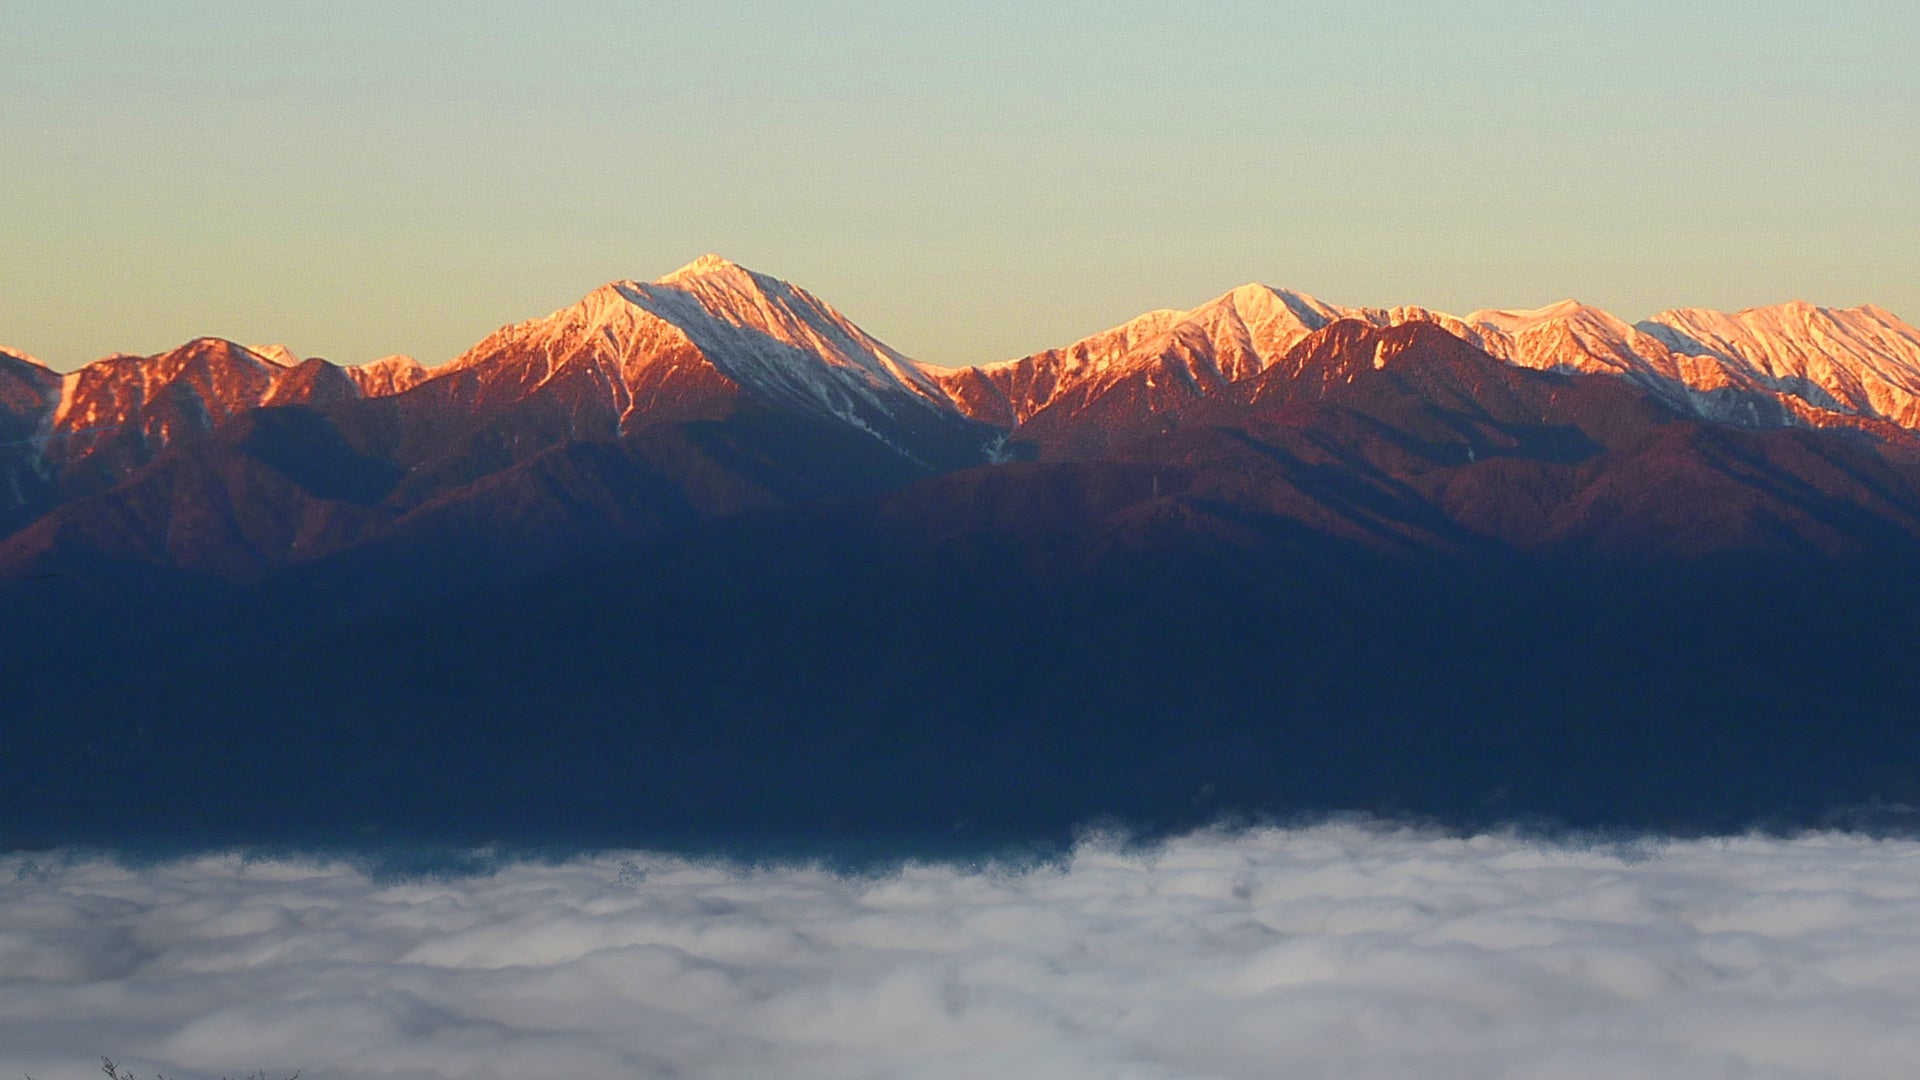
(969, 182)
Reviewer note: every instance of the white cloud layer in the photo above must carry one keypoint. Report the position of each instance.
(1335, 951)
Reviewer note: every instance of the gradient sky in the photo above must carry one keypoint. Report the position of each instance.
(968, 181)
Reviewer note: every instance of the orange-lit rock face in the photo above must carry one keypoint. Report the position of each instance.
(115, 414)
(633, 353)
(1479, 420)
(1793, 364)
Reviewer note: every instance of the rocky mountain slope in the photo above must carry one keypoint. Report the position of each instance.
(634, 354)
(1789, 365)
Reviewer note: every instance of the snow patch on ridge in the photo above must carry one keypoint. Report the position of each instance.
(1864, 358)
(276, 354)
(1788, 364)
(69, 384)
(388, 375)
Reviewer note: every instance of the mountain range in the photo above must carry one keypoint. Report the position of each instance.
(1264, 555)
(700, 342)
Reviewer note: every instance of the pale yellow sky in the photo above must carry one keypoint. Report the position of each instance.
(969, 182)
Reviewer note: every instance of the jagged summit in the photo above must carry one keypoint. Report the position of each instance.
(388, 375)
(1860, 361)
(1231, 337)
(1794, 363)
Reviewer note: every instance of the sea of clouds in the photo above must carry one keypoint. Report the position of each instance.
(1340, 950)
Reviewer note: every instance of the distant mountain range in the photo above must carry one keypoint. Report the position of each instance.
(712, 338)
(1266, 554)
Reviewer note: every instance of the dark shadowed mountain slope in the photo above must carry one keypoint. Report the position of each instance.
(1419, 581)
(27, 387)
(231, 507)
(697, 557)
(123, 410)
(28, 394)
(281, 493)
(1002, 654)
(86, 432)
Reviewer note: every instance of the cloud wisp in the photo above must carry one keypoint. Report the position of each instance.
(1332, 951)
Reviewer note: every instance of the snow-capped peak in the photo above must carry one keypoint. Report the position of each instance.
(275, 354)
(1263, 303)
(1819, 365)
(1233, 336)
(1864, 360)
(714, 321)
(1512, 320)
(705, 264)
(388, 375)
(1249, 327)
(1766, 331)
(738, 316)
